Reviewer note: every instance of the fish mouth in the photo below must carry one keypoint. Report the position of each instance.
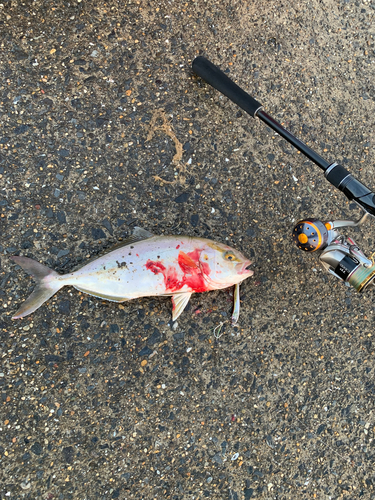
(242, 268)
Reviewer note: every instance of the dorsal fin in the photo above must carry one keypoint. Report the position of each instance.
(142, 234)
(139, 234)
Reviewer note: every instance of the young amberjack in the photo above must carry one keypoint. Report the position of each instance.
(145, 265)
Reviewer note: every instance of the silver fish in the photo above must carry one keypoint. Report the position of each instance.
(145, 265)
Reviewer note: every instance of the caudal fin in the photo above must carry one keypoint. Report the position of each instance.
(46, 285)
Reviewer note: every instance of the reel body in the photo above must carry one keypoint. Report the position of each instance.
(340, 255)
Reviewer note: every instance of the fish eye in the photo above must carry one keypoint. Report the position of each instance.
(229, 256)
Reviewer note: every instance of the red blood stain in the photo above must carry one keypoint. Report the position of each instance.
(186, 263)
(177, 247)
(171, 281)
(191, 260)
(155, 267)
(193, 271)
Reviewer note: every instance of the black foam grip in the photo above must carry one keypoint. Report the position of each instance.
(219, 80)
(352, 188)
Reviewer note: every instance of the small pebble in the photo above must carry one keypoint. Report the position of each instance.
(146, 351)
(144, 362)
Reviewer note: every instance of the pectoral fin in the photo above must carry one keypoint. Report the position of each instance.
(186, 263)
(179, 301)
(101, 295)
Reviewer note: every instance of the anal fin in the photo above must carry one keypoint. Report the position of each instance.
(101, 295)
(179, 301)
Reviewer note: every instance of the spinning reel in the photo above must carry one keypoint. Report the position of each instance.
(339, 254)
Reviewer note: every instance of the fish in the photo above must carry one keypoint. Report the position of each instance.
(145, 265)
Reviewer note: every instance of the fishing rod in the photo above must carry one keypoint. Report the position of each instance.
(339, 254)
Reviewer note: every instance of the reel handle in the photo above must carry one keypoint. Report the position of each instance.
(311, 235)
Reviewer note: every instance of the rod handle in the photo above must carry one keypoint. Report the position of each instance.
(352, 188)
(221, 82)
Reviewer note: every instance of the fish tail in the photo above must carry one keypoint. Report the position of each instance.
(46, 285)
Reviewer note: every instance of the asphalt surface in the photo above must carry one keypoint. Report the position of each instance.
(104, 127)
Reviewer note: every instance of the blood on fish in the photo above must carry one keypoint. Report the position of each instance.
(192, 268)
(171, 281)
(155, 267)
(186, 263)
(193, 272)
(194, 255)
